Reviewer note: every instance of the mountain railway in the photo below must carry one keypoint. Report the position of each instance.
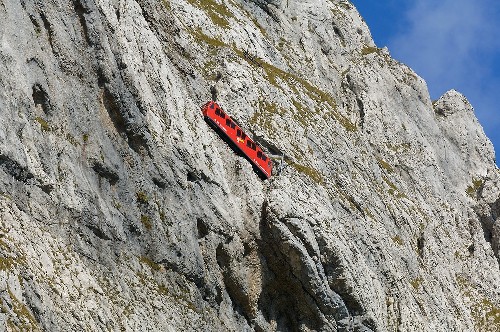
(230, 130)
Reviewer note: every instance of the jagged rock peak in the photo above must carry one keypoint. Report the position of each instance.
(460, 126)
(452, 102)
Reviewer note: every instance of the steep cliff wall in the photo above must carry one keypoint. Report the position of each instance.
(122, 210)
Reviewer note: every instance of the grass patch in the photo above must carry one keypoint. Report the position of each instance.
(345, 5)
(404, 147)
(369, 50)
(383, 164)
(369, 214)
(218, 12)
(6, 263)
(416, 283)
(393, 190)
(264, 114)
(142, 197)
(458, 255)
(27, 321)
(275, 74)
(397, 240)
(166, 4)
(302, 114)
(200, 37)
(146, 222)
(473, 189)
(5, 195)
(162, 216)
(261, 29)
(486, 315)
(154, 266)
(70, 138)
(43, 124)
(311, 172)
(344, 121)
(209, 69)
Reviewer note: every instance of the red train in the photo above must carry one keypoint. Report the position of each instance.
(215, 116)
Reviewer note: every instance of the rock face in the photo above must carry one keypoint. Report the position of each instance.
(121, 210)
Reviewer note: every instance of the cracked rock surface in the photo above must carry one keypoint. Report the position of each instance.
(122, 210)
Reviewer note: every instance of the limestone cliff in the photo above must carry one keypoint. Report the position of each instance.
(121, 210)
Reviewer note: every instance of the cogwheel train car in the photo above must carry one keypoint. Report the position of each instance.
(227, 127)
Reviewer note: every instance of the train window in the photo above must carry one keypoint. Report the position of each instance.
(264, 158)
(212, 106)
(220, 113)
(259, 154)
(252, 145)
(228, 122)
(249, 144)
(233, 125)
(240, 133)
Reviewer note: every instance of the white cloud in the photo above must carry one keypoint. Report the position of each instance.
(453, 44)
(445, 39)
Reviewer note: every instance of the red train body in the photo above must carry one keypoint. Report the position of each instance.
(218, 118)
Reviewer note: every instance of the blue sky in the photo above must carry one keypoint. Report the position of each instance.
(452, 44)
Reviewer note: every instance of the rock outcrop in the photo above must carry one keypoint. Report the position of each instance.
(122, 210)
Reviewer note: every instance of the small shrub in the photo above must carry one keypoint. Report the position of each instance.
(472, 189)
(396, 239)
(71, 139)
(385, 165)
(369, 50)
(43, 124)
(146, 221)
(142, 197)
(162, 216)
(154, 266)
(416, 283)
(6, 263)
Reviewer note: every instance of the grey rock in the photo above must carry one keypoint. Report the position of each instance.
(122, 210)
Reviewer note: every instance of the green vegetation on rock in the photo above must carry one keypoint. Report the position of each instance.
(486, 315)
(154, 266)
(6, 263)
(146, 222)
(416, 283)
(320, 97)
(311, 172)
(218, 13)
(383, 164)
(397, 240)
(200, 38)
(25, 320)
(43, 124)
(142, 197)
(472, 189)
(264, 114)
(369, 50)
(393, 190)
